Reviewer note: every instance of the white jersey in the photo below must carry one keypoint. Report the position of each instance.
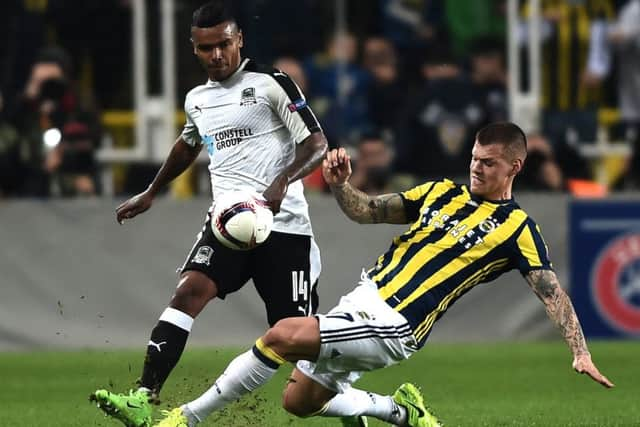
(250, 124)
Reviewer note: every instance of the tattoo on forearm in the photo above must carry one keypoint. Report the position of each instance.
(367, 210)
(559, 308)
(353, 202)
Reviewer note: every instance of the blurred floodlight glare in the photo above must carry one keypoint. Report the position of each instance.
(51, 137)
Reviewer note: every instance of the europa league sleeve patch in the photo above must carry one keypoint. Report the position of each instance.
(297, 105)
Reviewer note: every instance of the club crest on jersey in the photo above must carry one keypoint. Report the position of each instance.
(297, 105)
(203, 256)
(248, 96)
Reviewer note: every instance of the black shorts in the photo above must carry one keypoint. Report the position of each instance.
(284, 270)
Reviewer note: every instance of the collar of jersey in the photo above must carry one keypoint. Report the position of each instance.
(243, 64)
(481, 199)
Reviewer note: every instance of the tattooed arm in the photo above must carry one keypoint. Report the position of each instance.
(366, 209)
(559, 309)
(359, 206)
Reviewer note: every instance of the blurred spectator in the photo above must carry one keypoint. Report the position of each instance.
(625, 37)
(412, 26)
(47, 104)
(566, 32)
(294, 69)
(72, 163)
(388, 91)
(100, 47)
(469, 20)
(540, 172)
(373, 165)
(441, 121)
(22, 31)
(621, 35)
(489, 76)
(567, 154)
(314, 181)
(630, 178)
(11, 169)
(338, 87)
(42, 106)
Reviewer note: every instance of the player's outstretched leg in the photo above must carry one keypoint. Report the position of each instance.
(133, 409)
(408, 396)
(357, 421)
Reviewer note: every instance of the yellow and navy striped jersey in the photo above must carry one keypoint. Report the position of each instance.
(456, 241)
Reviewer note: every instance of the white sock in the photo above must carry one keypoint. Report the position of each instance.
(192, 419)
(244, 374)
(354, 402)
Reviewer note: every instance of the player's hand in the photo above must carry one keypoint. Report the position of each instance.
(274, 194)
(134, 206)
(336, 168)
(583, 365)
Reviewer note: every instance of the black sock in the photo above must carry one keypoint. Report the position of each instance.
(163, 352)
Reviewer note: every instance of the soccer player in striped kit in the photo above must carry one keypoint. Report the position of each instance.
(459, 236)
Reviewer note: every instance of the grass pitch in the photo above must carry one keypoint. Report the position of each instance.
(492, 385)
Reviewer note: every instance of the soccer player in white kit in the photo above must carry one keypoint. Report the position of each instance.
(260, 134)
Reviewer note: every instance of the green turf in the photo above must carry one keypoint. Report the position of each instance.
(468, 385)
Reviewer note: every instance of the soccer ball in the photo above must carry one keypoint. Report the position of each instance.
(241, 219)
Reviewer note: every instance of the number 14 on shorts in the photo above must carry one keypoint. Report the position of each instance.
(299, 286)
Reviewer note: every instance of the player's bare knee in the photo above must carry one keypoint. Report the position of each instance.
(298, 404)
(294, 338)
(279, 339)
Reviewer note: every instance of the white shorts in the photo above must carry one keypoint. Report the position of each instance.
(362, 333)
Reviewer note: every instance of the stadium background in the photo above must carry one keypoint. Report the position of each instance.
(71, 278)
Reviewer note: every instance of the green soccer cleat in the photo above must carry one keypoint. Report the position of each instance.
(173, 418)
(359, 421)
(408, 396)
(134, 409)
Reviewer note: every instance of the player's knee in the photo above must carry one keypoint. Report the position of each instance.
(300, 404)
(193, 292)
(279, 339)
(294, 338)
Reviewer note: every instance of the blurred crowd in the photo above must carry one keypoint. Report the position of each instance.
(47, 140)
(404, 87)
